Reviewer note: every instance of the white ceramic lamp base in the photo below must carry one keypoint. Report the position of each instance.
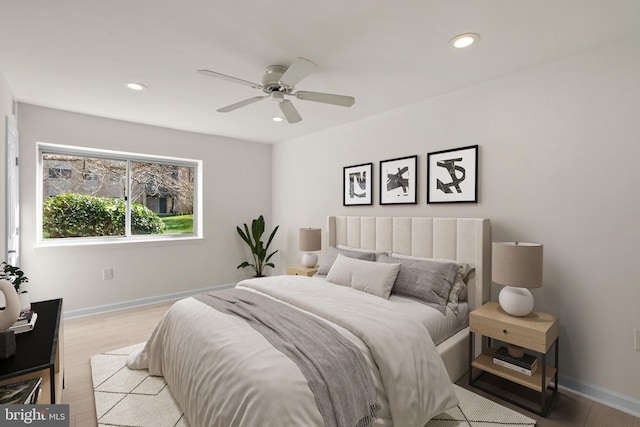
(516, 301)
(11, 311)
(309, 259)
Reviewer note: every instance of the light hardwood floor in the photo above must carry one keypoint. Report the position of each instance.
(91, 335)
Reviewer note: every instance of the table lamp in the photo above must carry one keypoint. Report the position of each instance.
(517, 266)
(310, 241)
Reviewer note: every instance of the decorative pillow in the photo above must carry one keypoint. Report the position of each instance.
(426, 280)
(330, 254)
(458, 293)
(464, 268)
(371, 277)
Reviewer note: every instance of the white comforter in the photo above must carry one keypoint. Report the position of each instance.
(223, 373)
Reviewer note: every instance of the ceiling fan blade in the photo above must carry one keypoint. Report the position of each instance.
(229, 78)
(327, 98)
(289, 111)
(240, 104)
(300, 69)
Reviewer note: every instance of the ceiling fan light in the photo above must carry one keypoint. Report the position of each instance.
(277, 96)
(277, 119)
(464, 40)
(135, 86)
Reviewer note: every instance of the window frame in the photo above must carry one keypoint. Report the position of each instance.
(128, 157)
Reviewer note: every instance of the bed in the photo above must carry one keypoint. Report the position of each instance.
(224, 372)
(461, 239)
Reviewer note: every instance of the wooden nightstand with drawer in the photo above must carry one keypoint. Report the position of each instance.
(301, 270)
(536, 332)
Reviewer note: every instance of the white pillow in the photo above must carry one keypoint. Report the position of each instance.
(330, 254)
(371, 277)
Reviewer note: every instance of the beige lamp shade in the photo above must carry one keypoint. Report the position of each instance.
(517, 264)
(310, 239)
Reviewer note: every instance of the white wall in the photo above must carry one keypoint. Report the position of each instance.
(559, 146)
(6, 101)
(237, 188)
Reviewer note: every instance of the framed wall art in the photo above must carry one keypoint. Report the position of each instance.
(452, 175)
(357, 183)
(398, 181)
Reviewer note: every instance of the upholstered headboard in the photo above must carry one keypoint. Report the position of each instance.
(461, 239)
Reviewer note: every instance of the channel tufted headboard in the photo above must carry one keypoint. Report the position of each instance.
(461, 239)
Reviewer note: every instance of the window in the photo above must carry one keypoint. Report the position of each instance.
(89, 195)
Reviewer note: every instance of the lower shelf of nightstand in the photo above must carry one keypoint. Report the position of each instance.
(512, 385)
(534, 401)
(534, 381)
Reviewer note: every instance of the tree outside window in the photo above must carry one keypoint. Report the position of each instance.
(92, 196)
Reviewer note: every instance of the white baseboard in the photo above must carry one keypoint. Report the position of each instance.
(607, 397)
(73, 314)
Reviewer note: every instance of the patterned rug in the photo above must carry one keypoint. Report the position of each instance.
(476, 411)
(129, 398)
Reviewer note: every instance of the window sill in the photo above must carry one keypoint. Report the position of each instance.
(137, 241)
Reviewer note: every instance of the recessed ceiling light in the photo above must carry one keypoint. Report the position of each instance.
(464, 40)
(277, 119)
(135, 86)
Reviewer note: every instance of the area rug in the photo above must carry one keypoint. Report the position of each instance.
(131, 398)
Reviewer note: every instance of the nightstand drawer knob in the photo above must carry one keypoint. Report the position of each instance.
(504, 331)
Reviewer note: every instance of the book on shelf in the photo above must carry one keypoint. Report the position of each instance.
(24, 318)
(23, 392)
(515, 367)
(25, 327)
(527, 364)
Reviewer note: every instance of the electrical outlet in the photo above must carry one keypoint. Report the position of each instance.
(637, 336)
(107, 274)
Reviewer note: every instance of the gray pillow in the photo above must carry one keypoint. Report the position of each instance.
(457, 294)
(463, 268)
(330, 254)
(428, 281)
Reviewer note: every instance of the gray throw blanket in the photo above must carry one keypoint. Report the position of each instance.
(334, 368)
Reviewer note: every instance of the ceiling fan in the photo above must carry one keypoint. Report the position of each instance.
(279, 81)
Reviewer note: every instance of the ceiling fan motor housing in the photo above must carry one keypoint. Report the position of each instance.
(271, 80)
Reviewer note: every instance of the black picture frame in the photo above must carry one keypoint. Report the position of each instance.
(399, 181)
(452, 175)
(357, 185)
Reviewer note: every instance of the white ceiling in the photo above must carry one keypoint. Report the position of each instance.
(75, 54)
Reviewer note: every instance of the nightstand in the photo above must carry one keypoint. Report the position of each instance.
(301, 270)
(536, 332)
(39, 353)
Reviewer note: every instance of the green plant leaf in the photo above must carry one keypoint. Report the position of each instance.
(250, 242)
(273, 233)
(257, 226)
(244, 264)
(244, 236)
(270, 255)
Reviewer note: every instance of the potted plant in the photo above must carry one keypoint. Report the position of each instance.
(259, 251)
(17, 278)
